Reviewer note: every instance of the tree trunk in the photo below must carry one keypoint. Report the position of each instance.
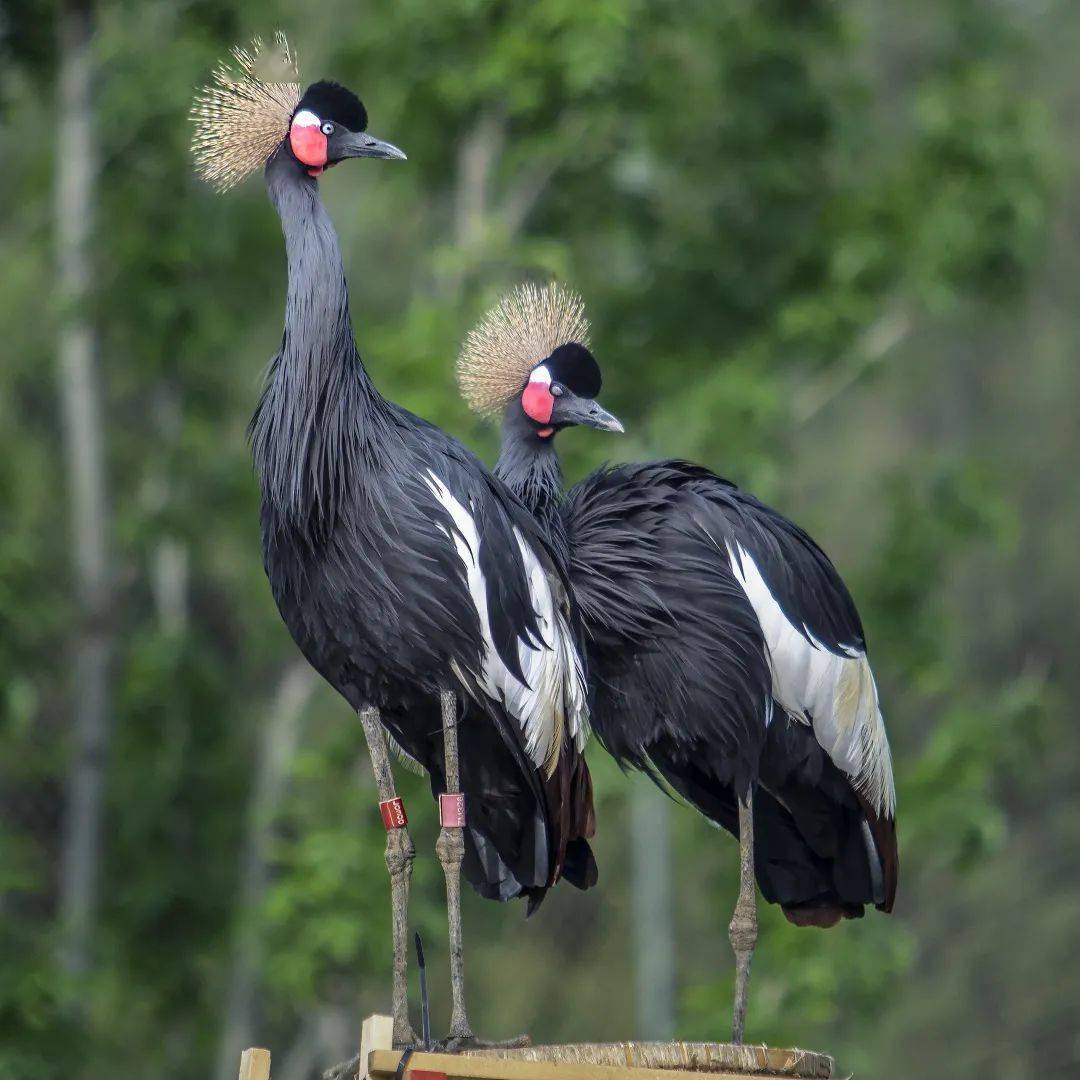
(279, 738)
(84, 455)
(654, 920)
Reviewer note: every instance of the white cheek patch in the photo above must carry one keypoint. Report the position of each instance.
(541, 375)
(306, 118)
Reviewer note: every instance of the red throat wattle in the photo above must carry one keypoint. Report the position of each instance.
(309, 145)
(537, 402)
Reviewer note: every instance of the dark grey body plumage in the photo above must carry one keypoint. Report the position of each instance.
(679, 672)
(358, 551)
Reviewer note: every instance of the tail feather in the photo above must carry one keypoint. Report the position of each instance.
(846, 850)
(573, 819)
(883, 832)
(811, 827)
(524, 829)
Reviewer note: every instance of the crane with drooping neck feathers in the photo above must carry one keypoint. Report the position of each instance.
(726, 657)
(411, 579)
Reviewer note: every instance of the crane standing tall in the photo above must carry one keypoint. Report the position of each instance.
(725, 654)
(410, 578)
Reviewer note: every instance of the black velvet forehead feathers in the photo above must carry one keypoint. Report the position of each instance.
(331, 101)
(576, 368)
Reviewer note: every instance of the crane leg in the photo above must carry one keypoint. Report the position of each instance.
(450, 848)
(743, 928)
(400, 853)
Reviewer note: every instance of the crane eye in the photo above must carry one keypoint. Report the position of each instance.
(556, 390)
(328, 128)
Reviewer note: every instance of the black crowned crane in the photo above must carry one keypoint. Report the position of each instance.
(410, 578)
(726, 658)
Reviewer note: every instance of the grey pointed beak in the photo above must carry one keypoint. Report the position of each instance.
(571, 409)
(361, 144)
(605, 421)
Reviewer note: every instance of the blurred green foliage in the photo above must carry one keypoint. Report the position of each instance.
(827, 250)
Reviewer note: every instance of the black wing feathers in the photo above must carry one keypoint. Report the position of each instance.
(681, 674)
(675, 650)
(379, 601)
(803, 580)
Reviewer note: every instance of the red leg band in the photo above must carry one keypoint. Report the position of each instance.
(452, 811)
(393, 814)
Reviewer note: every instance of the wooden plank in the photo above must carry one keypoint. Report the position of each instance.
(696, 1057)
(255, 1064)
(382, 1065)
(377, 1033)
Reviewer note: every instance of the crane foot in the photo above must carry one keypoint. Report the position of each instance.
(453, 1044)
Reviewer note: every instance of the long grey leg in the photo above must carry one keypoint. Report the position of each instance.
(451, 851)
(399, 859)
(743, 928)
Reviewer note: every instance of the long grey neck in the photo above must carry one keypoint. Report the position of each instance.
(320, 417)
(530, 467)
(317, 327)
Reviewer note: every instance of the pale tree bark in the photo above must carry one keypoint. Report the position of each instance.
(872, 347)
(530, 185)
(480, 215)
(170, 559)
(277, 748)
(81, 401)
(478, 155)
(653, 911)
(324, 1035)
(170, 571)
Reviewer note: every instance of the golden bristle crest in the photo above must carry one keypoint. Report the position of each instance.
(244, 113)
(524, 328)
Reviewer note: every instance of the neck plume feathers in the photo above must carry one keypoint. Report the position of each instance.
(319, 423)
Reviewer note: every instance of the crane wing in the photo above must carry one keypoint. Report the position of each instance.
(615, 530)
(817, 650)
(541, 680)
(675, 651)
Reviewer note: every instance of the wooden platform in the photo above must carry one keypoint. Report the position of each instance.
(579, 1061)
(607, 1061)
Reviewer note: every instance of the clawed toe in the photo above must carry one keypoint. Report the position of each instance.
(454, 1044)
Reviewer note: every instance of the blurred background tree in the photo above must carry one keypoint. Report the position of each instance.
(828, 249)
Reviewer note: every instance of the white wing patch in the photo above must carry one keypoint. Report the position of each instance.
(836, 693)
(551, 702)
